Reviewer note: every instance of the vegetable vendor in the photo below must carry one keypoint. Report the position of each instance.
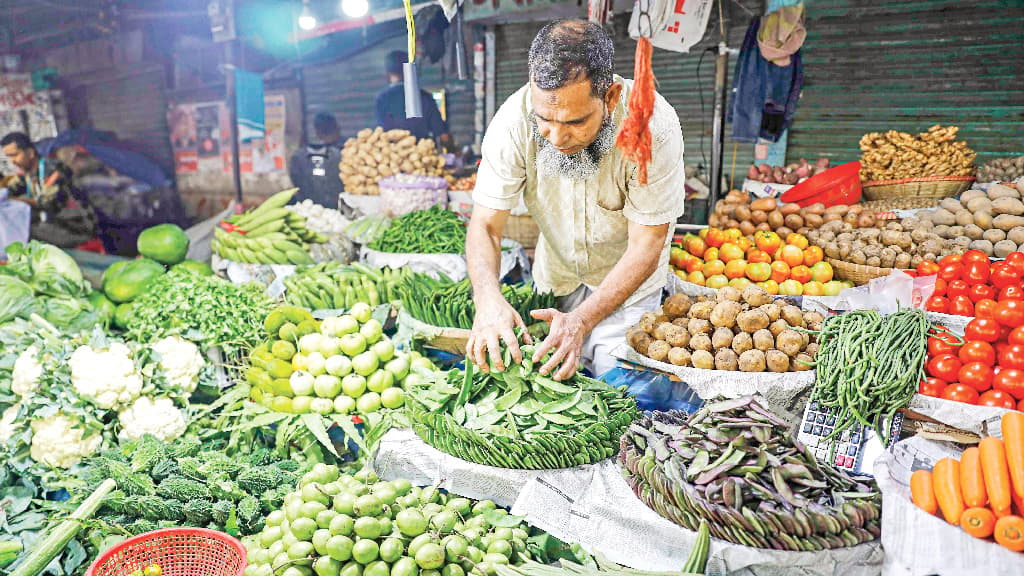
(604, 237)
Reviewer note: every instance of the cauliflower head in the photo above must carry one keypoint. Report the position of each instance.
(27, 370)
(181, 362)
(159, 417)
(107, 378)
(60, 441)
(8, 425)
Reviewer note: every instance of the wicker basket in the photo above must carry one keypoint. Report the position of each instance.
(452, 340)
(522, 229)
(907, 203)
(857, 273)
(927, 187)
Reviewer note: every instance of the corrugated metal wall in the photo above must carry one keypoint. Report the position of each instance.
(348, 88)
(677, 76)
(875, 65)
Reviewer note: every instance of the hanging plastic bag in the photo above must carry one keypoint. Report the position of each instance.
(669, 25)
(653, 391)
(15, 221)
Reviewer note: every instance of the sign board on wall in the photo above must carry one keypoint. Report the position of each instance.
(678, 24)
(16, 92)
(200, 138)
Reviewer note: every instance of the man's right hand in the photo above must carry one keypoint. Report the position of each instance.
(495, 322)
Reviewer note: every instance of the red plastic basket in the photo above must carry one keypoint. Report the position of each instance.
(838, 185)
(178, 551)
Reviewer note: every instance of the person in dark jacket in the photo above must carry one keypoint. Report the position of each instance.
(391, 107)
(314, 167)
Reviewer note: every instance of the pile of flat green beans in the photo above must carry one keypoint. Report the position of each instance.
(869, 366)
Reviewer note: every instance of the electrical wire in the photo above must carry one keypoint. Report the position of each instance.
(410, 25)
(703, 114)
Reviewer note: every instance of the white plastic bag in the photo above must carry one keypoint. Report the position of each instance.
(15, 221)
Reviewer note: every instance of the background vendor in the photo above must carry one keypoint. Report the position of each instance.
(604, 238)
(390, 107)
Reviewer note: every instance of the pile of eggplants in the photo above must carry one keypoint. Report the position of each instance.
(735, 464)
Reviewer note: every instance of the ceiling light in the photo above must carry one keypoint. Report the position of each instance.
(307, 21)
(355, 8)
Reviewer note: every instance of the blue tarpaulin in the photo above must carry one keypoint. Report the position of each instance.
(104, 147)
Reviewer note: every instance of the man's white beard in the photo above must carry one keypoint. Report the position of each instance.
(581, 165)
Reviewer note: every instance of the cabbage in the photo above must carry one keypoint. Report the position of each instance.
(18, 299)
(46, 268)
(70, 314)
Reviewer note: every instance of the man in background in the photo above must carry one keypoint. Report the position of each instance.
(314, 168)
(391, 107)
(60, 215)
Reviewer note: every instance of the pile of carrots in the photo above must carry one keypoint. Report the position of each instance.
(983, 492)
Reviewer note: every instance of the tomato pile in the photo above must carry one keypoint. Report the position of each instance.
(969, 285)
(986, 367)
(790, 267)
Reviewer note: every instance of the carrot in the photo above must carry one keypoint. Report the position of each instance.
(946, 482)
(972, 481)
(978, 522)
(922, 493)
(1013, 440)
(1018, 502)
(997, 475)
(1010, 533)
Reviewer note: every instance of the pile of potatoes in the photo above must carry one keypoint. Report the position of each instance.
(992, 221)
(748, 331)
(375, 154)
(1001, 170)
(737, 211)
(899, 244)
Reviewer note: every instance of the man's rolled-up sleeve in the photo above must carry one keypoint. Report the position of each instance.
(661, 200)
(501, 177)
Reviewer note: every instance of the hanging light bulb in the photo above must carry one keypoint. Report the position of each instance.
(355, 8)
(307, 21)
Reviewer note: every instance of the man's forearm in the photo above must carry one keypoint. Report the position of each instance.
(483, 260)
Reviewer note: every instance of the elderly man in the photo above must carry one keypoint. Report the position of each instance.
(604, 237)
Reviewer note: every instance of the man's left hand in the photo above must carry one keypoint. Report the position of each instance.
(568, 331)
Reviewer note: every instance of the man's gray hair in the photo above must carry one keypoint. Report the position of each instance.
(567, 51)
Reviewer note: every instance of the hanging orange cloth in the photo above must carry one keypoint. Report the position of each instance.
(635, 136)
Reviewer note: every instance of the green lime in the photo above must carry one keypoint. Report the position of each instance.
(452, 570)
(405, 566)
(500, 547)
(326, 566)
(402, 486)
(300, 550)
(483, 506)
(324, 518)
(320, 538)
(353, 568)
(344, 503)
(303, 528)
(386, 492)
(391, 549)
(275, 518)
(365, 551)
(430, 556)
(368, 505)
(340, 547)
(270, 535)
(313, 492)
(455, 548)
(311, 509)
(503, 533)
(430, 573)
(461, 506)
(378, 568)
(418, 542)
(444, 521)
(342, 524)
(367, 527)
(496, 559)
(411, 522)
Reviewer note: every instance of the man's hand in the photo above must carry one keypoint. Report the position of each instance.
(568, 331)
(495, 322)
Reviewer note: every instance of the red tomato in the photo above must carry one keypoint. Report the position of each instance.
(997, 398)
(1016, 259)
(941, 286)
(985, 329)
(937, 304)
(977, 351)
(1012, 292)
(1010, 381)
(985, 308)
(977, 375)
(958, 288)
(1012, 356)
(1010, 313)
(960, 393)
(939, 344)
(951, 259)
(1020, 406)
(976, 272)
(944, 367)
(927, 268)
(931, 387)
(950, 272)
(1004, 275)
(1016, 335)
(961, 306)
(973, 256)
(981, 292)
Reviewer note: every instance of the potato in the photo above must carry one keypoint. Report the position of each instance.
(1016, 235)
(790, 342)
(702, 310)
(794, 221)
(1003, 248)
(678, 337)
(725, 314)
(812, 348)
(783, 231)
(639, 340)
(875, 261)
(747, 228)
(951, 204)
(974, 232)
(676, 305)
(776, 220)
(759, 217)
(956, 231)
(903, 261)
(997, 191)
(742, 213)
(1008, 205)
(982, 204)
(970, 195)
(994, 235)
(964, 217)
(729, 294)
(983, 245)
(813, 221)
(701, 342)
(763, 340)
(983, 220)
(793, 315)
(773, 310)
(679, 357)
(778, 326)
(698, 326)
(742, 342)
(1007, 222)
(726, 359)
(777, 361)
(647, 322)
(661, 330)
(763, 226)
(943, 217)
(752, 320)
(752, 361)
(802, 363)
(702, 359)
(658, 350)
(721, 338)
(812, 316)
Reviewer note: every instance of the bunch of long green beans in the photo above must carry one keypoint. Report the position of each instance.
(869, 366)
(442, 303)
(431, 231)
